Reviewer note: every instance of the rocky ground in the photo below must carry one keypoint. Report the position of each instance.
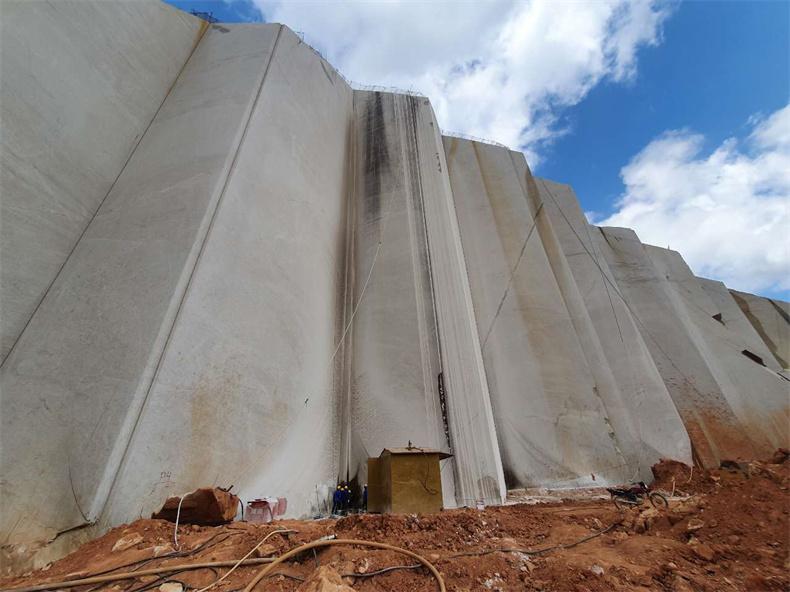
(725, 529)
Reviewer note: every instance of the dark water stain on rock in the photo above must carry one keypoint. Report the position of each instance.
(376, 158)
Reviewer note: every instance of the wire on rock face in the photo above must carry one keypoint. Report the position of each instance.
(328, 543)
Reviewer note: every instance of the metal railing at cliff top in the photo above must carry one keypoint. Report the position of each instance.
(207, 16)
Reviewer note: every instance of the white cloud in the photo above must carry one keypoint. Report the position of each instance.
(499, 70)
(727, 212)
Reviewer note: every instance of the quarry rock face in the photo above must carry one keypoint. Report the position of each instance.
(223, 265)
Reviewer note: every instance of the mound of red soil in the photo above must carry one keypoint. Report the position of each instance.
(730, 534)
(671, 475)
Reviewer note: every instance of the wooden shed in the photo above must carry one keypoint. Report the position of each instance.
(405, 481)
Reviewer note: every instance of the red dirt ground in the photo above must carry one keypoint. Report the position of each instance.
(730, 533)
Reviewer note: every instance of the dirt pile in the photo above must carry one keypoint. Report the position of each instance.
(673, 476)
(729, 533)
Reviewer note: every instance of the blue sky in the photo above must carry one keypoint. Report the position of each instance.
(717, 65)
(241, 11)
(671, 118)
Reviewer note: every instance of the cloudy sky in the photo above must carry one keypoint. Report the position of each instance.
(670, 118)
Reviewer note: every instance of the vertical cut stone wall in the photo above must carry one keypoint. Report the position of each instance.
(757, 395)
(85, 364)
(393, 393)
(713, 428)
(550, 421)
(221, 265)
(771, 319)
(81, 82)
(641, 409)
(244, 389)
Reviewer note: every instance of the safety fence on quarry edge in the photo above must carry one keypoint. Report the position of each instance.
(392, 89)
(357, 85)
(464, 136)
(210, 18)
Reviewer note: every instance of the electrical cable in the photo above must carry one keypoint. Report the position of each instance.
(178, 515)
(540, 551)
(255, 548)
(170, 555)
(272, 562)
(378, 572)
(328, 543)
(136, 574)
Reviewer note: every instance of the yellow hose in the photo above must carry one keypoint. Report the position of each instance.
(268, 569)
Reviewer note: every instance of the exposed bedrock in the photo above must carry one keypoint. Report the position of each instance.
(640, 406)
(222, 265)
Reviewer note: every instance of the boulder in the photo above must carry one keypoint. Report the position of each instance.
(207, 506)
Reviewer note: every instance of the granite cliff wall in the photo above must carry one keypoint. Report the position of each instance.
(222, 264)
